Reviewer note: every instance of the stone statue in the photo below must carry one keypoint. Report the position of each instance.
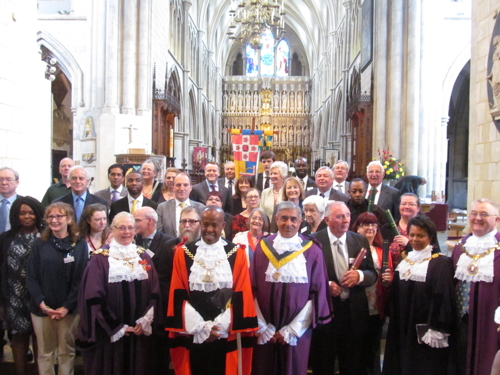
(248, 101)
(232, 107)
(494, 76)
(240, 101)
(224, 101)
(290, 135)
(307, 102)
(292, 101)
(276, 101)
(255, 101)
(284, 101)
(283, 135)
(299, 102)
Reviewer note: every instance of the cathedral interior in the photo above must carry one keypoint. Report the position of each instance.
(333, 80)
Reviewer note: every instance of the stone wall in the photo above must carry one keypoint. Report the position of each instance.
(484, 138)
(25, 106)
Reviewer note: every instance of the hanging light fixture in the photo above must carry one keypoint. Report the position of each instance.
(254, 17)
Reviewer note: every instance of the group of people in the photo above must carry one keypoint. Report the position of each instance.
(247, 275)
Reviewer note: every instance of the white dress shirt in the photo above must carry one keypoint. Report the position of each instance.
(377, 196)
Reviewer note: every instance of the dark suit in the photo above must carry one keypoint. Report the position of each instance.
(345, 187)
(162, 253)
(222, 182)
(122, 205)
(200, 192)
(343, 336)
(258, 182)
(106, 194)
(334, 195)
(389, 200)
(90, 199)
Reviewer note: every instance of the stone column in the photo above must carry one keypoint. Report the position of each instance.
(144, 87)
(112, 49)
(129, 56)
(395, 77)
(411, 95)
(184, 53)
(380, 73)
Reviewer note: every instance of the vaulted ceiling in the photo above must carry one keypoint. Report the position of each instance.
(312, 21)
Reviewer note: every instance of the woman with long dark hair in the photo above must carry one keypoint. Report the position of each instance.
(93, 226)
(26, 223)
(55, 269)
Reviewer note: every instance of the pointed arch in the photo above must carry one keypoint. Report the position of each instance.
(66, 62)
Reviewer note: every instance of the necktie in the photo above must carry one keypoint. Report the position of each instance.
(182, 205)
(303, 184)
(212, 187)
(266, 184)
(3, 215)
(463, 297)
(115, 196)
(341, 266)
(146, 242)
(78, 208)
(134, 206)
(339, 188)
(230, 184)
(374, 191)
(322, 195)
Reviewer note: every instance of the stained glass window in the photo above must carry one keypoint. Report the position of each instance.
(267, 54)
(282, 59)
(252, 62)
(269, 60)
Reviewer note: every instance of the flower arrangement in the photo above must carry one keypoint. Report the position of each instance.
(393, 167)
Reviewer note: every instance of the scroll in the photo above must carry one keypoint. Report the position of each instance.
(359, 258)
(385, 256)
(371, 200)
(392, 223)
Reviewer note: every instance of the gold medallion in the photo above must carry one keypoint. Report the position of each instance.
(407, 273)
(208, 278)
(473, 269)
(276, 275)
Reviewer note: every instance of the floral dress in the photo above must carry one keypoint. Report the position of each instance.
(17, 314)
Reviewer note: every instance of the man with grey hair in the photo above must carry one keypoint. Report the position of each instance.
(324, 182)
(343, 337)
(340, 172)
(288, 275)
(62, 187)
(9, 181)
(477, 270)
(385, 196)
(79, 198)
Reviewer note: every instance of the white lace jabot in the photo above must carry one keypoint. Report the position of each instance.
(294, 271)
(210, 256)
(417, 271)
(124, 263)
(484, 265)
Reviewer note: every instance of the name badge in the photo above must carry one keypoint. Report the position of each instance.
(303, 230)
(150, 253)
(69, 259)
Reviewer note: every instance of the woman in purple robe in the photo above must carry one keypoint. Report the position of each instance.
(118, 300)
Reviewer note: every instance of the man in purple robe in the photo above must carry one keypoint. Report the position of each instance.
(477, 268)
(290, 286)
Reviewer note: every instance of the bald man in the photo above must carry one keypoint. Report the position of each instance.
(61, 188)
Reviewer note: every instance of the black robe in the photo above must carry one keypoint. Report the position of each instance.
(431, 302)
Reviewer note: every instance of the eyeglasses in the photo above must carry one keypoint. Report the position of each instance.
(369, 225)
(57, 217)
(7, 179)
(124, 228)
(482, 215)
(189, 221)
(251, 197)
(257, 219)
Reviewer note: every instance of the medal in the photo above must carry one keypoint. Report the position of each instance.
(208, 278)
(407, 273)
(276, 275)
(473, 269)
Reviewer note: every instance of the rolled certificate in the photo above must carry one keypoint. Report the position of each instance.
(385, 256)
(371, 200)
(392, 223)
(359, 258)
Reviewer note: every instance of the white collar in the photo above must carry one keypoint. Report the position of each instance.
(484, 266)
(124, 263)
(119, 189)
(295, 271)
(418, 270)
(216, 266)
(333, 238)
(139, 199)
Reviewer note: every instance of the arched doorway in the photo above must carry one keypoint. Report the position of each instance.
(458, 141)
